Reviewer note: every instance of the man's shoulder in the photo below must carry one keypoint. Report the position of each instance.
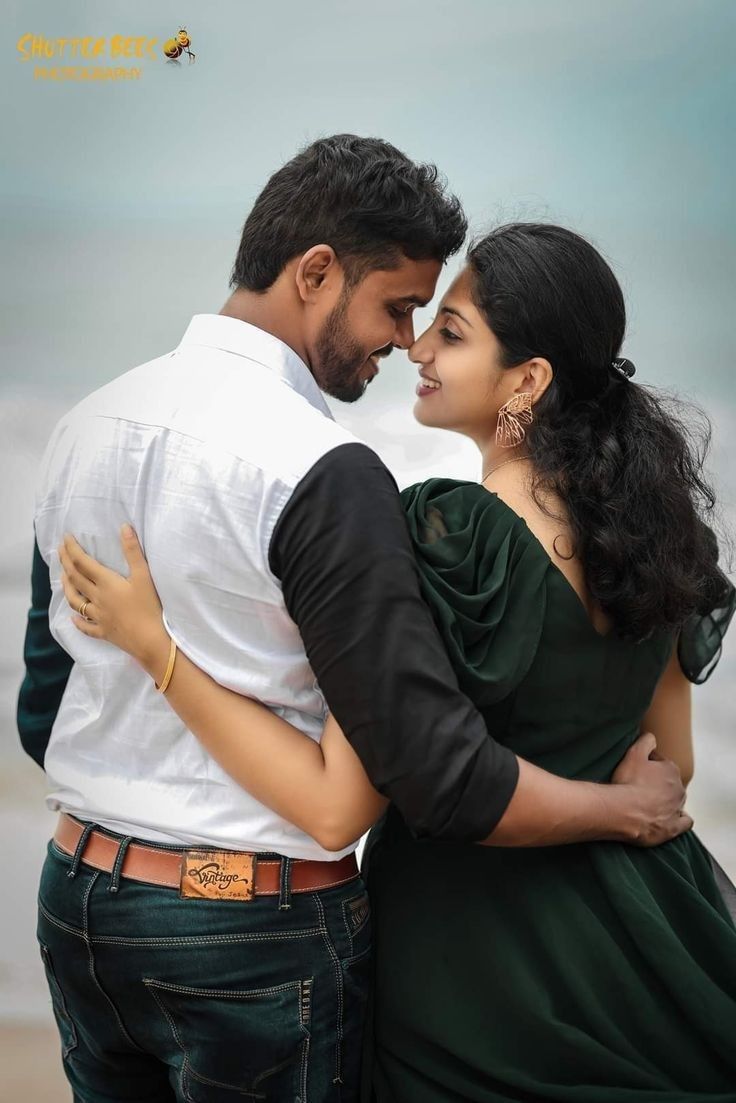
(102, 399)
(250, 418)
(307, 435)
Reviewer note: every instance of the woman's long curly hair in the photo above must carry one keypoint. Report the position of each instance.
(626, 460)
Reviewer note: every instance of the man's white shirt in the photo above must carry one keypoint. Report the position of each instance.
(200, 450)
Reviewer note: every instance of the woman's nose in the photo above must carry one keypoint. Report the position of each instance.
(420, 352)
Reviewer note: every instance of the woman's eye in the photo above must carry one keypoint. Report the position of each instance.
(449, 335)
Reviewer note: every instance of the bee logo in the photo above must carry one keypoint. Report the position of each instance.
(175, 47)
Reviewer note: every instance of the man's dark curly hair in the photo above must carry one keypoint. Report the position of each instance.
(363, 197)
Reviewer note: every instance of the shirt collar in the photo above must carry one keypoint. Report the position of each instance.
(218, 331)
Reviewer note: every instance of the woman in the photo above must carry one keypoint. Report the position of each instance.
(578, 592)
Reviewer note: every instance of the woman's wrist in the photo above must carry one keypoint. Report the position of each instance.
(153, 654)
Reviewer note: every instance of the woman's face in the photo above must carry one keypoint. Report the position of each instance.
(463, 384)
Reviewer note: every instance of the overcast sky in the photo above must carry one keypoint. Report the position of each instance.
(614, 117)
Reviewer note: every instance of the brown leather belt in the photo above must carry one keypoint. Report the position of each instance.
(199, 872)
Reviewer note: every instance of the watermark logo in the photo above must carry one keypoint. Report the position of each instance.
(99, 58)
(175, 47)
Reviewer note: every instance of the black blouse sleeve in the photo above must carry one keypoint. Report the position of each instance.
(701, 637)
(342, 551)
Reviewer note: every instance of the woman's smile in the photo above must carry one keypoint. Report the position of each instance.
(427, 385)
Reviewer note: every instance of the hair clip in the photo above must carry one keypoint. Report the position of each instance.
(624, 367)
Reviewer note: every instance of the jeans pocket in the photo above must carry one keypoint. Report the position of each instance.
(63, 1019)
(357, 976)
(356, 914)
(239, 1044)
(356, 979)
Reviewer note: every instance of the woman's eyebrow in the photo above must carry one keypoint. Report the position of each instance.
(445, 309)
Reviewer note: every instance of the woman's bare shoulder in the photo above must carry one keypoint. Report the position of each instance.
(547, 519)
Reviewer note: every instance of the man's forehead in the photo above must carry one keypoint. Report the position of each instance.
(412, 283)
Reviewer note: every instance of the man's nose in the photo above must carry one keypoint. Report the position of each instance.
(404, 333)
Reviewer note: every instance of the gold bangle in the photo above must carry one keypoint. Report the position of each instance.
(169, 670)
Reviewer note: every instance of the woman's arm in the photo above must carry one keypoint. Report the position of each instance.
(320, 787)
(670, 718)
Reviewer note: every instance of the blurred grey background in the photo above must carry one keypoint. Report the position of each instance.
(124, 200)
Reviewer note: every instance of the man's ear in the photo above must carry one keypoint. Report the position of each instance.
(316, 271)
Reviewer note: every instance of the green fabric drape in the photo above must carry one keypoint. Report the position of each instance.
(598, 973)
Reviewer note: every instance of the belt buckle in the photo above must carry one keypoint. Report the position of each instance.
(217, 875)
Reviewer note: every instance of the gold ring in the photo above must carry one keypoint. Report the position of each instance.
(83, 610)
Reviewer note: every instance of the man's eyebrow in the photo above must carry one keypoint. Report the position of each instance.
(451, 310)
(416, 300)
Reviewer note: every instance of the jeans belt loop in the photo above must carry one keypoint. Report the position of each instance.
(285, 885)
(119, 859)
(79, 850)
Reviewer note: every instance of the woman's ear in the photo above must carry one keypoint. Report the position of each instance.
(316, 269)
(537, 377)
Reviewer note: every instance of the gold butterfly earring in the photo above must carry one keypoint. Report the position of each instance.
(512, 417)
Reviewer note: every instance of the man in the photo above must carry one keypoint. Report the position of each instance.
(197, 946)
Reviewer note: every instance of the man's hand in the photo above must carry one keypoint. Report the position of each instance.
(642, 805)
(650, 795)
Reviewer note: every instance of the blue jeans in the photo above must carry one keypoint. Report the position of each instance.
(160, 999)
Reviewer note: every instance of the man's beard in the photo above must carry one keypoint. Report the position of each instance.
(339, 356)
